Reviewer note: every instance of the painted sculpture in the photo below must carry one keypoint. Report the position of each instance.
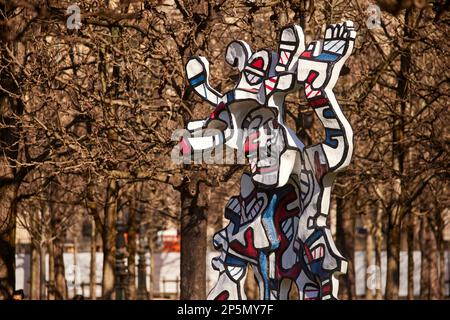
(278, 222)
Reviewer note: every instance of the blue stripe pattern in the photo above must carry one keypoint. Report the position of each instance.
(330, 135)
(268, 224)
(328, 113)
(327, 57)
(197, 80)
(264, 274)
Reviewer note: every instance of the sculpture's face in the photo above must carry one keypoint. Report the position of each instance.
(264, 143)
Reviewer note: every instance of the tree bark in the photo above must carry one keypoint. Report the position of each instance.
(108, 237)
(10, 108)
(142, 292)
(132, 250)
(34, 273)
(370, 246)
(97, 228)
(150, 238)
(93, 263)
(8, 195)
(43, 283)
(51, 272)
(393, 259)
(345, 241)
(425, 260)
(436, 228)
(57, 276)
(379, 248)
(434, 270)
(397, 209)
(440, 243)
(430, 279)
(442, 292)
(193, 245)
(410, 237)
(60, 278)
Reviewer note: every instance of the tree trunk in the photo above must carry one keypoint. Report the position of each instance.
(410, 235)
(370, 246)
(437, 226)
(151, 240)
(43, 283)
(75, 264)
(442, 270)
(393, 259)
(345, 241)
(108, 237)
(59, 276)
(399, 150)
(93, 263)
(121, 258)
(142, 293)
(434, 271)
(132, 238)
(34, 258)
(429, 284)
(379, 248)
(425, 260)
(8, 195)
(97, 227)
(51, 272)
(10, 108)
(193, 246)
(34, 273)
(303, 11)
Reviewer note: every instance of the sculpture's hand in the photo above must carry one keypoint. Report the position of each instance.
(291, 45)
(197, 71)
(321, 63)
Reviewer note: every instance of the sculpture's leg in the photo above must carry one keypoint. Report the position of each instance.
(230, 285)
(267, 290)
(324, 261)
(308, 289)
(269, 284)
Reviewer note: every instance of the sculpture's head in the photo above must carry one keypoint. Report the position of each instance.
(264, 144)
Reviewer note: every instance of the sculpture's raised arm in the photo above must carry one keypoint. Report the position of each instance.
(318, 69)
(221, 119)
(197, 71)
